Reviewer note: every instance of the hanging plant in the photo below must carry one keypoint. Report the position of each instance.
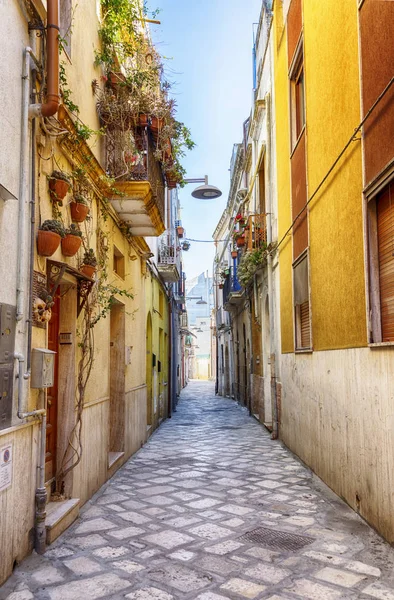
(249, 264)
(79, 208)
(59, 185)
(72, 240)
(49, 237)
(89, 264)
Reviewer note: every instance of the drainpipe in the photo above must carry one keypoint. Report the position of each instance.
(49, 108)
(271, 291)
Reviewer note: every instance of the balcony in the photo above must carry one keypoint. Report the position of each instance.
(169, 259)
(233, 293)
(139, 181)
(256, 232)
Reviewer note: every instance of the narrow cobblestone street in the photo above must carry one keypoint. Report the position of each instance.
(211, 508)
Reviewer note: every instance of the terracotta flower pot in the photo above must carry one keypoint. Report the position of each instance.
(47, 242)
(240, 242)
(180, 231)
(58, 189)
(88, 270)
(221, 286)
(79, 211)
(234, 253)
(71, 244)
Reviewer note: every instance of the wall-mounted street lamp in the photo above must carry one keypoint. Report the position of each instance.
(206, 191)
(199, 298)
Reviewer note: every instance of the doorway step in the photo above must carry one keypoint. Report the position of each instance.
(60, 515)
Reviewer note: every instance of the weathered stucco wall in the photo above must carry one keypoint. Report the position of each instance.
(337, 416)
(17, 502)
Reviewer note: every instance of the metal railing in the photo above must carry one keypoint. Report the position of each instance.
(123, 165)
(169, 254)
(231, 284)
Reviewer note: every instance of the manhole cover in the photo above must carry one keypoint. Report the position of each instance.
(280, 540)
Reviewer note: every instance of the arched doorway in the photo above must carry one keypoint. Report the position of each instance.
(149, 407)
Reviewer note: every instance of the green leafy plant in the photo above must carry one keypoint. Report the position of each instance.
(89, 258)
(62, 176)
(79, 199)
(249, 264)
(134, 86)
(73, 230)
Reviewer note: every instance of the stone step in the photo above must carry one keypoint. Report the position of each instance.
(60, 515)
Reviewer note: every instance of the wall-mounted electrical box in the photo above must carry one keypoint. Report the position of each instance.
(42, 368)
(7, 333)
(6, 386)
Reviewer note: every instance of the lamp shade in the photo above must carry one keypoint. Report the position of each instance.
(206, 192)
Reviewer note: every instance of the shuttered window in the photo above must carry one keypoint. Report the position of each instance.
(302, 315)
(385, 230)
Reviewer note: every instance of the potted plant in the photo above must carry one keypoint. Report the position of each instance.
(49, 237)
(79, 208)
(89, 263)
(234, 253)
(59, 185)
(240, 240)
(72, 240)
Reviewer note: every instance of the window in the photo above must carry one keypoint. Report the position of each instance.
(65, 24)
(381, 264)
(161, 303)
(297, 95)
(302, 320)
(119, 263)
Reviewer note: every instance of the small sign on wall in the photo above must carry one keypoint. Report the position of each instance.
(5, 467)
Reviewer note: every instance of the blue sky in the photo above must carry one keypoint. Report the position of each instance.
(209, 48)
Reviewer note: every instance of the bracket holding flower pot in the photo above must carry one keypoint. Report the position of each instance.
(55, 273)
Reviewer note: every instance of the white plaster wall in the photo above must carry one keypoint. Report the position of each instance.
(14, 37)
(338, 417)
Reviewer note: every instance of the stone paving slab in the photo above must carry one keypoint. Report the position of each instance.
(211, 509)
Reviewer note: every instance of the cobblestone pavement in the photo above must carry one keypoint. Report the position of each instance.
(211, 509)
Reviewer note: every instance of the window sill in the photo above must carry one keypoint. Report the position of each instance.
(303, 351)
(298, 141)
(381, 345)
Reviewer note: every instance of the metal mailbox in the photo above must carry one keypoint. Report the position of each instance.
(42, 368)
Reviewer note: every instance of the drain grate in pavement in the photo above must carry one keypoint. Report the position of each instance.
(280, 540)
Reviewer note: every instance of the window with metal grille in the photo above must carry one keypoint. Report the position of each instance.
(65, 24)
(302, 317)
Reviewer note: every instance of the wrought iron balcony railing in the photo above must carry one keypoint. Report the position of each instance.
(169, 258)
(231, 286)
(130, 157)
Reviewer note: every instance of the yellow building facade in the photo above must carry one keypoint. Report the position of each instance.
(335, 385)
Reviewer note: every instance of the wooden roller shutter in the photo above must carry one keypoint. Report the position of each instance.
(385, 222)
(305, 325)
